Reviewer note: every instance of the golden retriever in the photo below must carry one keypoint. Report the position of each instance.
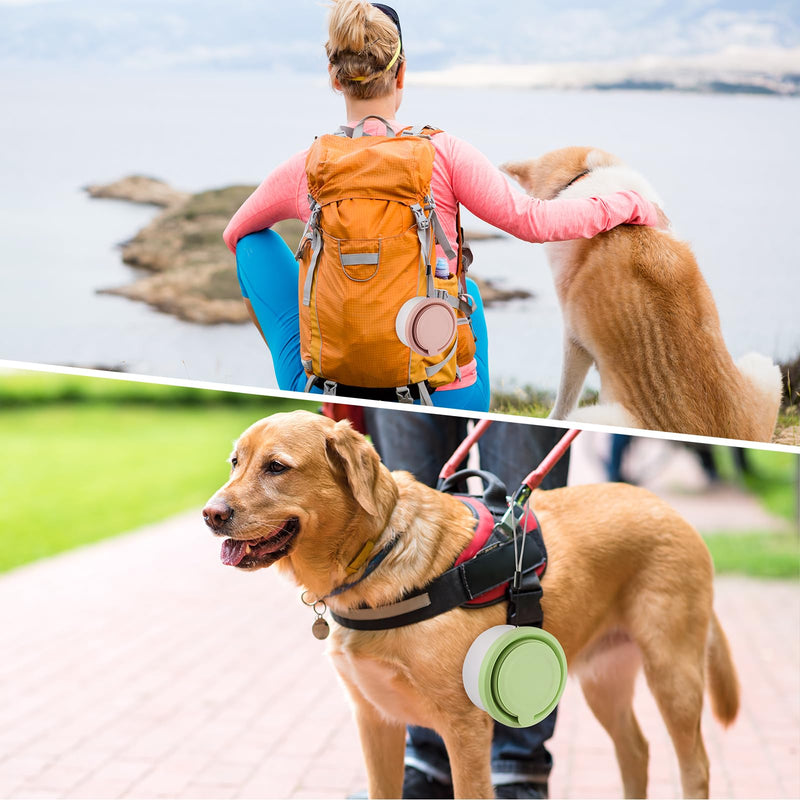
(629, 583)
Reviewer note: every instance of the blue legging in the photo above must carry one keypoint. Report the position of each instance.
(268, 276)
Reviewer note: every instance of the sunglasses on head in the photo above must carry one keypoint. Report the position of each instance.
(392, 14)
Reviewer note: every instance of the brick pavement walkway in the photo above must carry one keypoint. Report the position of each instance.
(141, 667)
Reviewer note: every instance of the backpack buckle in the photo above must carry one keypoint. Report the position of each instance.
(404, 395)
(423, 223)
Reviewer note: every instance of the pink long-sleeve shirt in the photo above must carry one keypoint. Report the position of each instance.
(461, 174)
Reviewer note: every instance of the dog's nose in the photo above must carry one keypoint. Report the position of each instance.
(216, 514)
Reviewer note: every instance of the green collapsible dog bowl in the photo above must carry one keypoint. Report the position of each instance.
(516, 675)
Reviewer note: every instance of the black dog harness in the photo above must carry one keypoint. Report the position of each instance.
(484, 573)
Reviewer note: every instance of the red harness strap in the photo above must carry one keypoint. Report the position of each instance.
(483, 530)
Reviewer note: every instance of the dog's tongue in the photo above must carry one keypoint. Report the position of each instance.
(233, 551)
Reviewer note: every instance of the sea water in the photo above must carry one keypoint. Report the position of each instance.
(724, 165)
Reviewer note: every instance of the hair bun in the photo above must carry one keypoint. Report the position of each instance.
(363, 45)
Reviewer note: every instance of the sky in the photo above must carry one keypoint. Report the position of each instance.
(261, 34)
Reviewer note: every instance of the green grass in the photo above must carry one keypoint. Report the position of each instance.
(76, 472)
(26, 389)
(526, 401)
(523, 401)
(757, 554)
(773, 478)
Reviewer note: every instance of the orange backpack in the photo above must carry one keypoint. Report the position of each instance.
(373, 313)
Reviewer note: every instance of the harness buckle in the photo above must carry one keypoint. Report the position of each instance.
(524, 601)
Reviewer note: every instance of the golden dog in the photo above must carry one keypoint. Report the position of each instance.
(635, 303)
(629, 582)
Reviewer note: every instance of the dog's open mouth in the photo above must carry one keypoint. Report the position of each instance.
(254, 553)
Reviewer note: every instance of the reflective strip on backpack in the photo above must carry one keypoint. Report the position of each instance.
(356, 259)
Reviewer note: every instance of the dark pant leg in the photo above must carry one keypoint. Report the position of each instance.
(421, 443)
(511, 450)
(418, 443)
(620, 442)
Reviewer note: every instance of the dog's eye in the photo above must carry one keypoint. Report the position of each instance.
(234, 462)
(275, 467)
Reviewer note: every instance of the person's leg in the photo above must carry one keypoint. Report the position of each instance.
(427, 766)
(512, 449)
(521, 763)
(268, 275)
(419, 443)
(619, 444)
(478, 396)
(706, 455)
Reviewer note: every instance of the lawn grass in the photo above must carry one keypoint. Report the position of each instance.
(773, 478)
(526, 401)
(76, 473)
(26, 389)
(757, 554)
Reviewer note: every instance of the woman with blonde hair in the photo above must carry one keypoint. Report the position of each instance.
(367, 65)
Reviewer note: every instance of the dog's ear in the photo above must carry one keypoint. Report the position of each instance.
(520, 171)
(351, 454)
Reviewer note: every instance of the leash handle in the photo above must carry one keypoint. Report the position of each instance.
(461, 452)
(536, 477)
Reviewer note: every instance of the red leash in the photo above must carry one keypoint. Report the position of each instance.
(550, 460)
(534, 479)
(461, 452)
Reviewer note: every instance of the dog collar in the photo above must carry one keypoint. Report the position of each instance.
(356, 563)
(320, 627)
(576, 179)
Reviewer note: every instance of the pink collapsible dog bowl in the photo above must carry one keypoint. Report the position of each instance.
(426, 325)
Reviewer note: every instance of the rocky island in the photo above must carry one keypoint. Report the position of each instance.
(186, 269)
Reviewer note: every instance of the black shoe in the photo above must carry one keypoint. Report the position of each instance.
(520, 790)
(418, 785)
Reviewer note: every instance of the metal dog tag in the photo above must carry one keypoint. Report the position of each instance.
(320, 628)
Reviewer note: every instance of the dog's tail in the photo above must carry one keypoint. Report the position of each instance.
(723, 684)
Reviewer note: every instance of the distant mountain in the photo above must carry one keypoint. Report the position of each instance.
(734, 70)
(439, 35)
